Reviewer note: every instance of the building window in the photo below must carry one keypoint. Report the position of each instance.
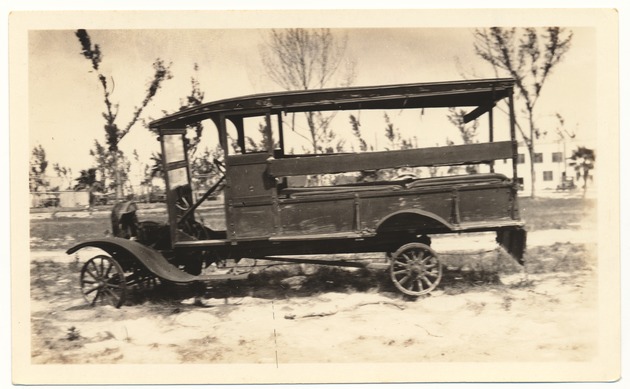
(538, 158)
(556, 157)
(548, 176)
(520, 158)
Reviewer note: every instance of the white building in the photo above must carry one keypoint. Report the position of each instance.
(551, 166)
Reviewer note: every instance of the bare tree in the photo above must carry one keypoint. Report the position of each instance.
(113, 133)
(112, 167)
(203, 170)
(65, 173)
(37, 171)
(396, 142)
(194, 99)
(356, 131)
(302, 59)
(528, 55)
(467, 131)
(392, 133)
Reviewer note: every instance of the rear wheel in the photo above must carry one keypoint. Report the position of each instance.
(103, 281)
(415, 269)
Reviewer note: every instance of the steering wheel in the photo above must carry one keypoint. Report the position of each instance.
(182, 204)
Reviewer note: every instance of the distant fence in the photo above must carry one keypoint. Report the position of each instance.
(60, 199)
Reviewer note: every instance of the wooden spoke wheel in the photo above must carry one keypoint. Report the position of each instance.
(103, 281)
(415, 269)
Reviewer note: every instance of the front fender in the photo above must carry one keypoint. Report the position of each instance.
(152, 259)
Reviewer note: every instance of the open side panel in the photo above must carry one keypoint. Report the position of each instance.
(432, 156)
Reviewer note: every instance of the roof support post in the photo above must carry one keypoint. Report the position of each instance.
(513, 209)
(280, 132)
(491, 134)
(240, 132)
(269, 133)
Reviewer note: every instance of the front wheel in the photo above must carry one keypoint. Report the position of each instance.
(415, 269)
(103, 281)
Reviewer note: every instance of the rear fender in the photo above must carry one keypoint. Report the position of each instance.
(513, 241)
(414, 219)
(125, 250)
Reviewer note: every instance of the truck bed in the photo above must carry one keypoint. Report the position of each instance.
(455, 180)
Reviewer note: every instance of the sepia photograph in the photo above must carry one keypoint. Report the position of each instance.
(256, 197)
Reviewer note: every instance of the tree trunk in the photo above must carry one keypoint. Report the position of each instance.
(531, 150)
(532, 171)
(119, 194)
(312, 130)
(585, 183)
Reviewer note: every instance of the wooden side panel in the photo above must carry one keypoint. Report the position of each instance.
(247, 179)
(485, 205)
(452, 204)
(373, 210)
(432, 156)
(251, 221)
(251, 190)
(317, 217)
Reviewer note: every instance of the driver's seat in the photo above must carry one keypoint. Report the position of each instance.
(124, 220)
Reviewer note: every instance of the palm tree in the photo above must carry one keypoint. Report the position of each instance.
(583, 161)
(157, 169)
(87, 181)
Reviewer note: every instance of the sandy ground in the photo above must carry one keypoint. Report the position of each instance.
(540, 317)
(493, 325)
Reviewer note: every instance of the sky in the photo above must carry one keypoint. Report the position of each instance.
(66, 99)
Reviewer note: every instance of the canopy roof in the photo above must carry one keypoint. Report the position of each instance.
(465, 93)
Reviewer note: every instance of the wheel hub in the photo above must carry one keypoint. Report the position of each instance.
(416, 269)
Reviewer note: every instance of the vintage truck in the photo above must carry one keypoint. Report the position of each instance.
(269, 217)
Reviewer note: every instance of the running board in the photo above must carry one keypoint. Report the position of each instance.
(341, 263)
(326, 236)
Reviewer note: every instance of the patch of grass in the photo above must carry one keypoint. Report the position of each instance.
(559, 257)
(49, 279)
(63, 233)
(464, 272)
(547, 213)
